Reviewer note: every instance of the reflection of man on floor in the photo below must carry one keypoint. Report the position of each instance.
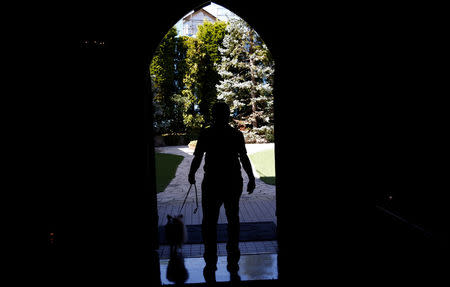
(222, 184)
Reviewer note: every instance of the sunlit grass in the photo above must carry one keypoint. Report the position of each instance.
(264, 163)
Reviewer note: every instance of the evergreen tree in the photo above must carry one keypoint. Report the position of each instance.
(247, 75)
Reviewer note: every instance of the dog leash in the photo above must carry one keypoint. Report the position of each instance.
(196, 199)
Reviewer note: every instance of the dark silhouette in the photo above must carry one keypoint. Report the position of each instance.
(176, 235)
(222, 184)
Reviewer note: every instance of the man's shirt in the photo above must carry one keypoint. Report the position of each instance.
(222, 146)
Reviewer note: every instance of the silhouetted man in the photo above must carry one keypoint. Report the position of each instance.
(222, 184)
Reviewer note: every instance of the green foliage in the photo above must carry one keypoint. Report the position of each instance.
(263, 134)
(193, 84)
(226, 61)
(193, 122)
(174, 139)
(201, 75)
(164, 77)
(162, 67)
(269, 134)
(211, 34)
(184, 79)
(247, 75)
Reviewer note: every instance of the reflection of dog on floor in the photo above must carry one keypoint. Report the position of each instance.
(176, 235)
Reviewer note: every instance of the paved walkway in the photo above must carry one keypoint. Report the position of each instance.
(258, 206)
(177, 188)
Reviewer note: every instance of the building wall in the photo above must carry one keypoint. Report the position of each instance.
(190, 26)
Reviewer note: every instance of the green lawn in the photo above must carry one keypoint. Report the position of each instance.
(264, 163)
(166, 166)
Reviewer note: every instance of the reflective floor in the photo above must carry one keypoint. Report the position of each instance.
(247, 247)
(252, 267)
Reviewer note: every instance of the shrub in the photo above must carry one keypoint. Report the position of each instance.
(174, 139)
(270, 136)
(252, 137)
(259, 135)
(192, 134)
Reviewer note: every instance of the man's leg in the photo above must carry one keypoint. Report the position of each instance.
(211, 208)
(232, 212)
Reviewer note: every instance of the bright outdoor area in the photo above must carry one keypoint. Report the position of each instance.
(212, 55)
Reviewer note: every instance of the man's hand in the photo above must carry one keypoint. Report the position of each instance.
(195, 164)
(191, 178)
(251, 186)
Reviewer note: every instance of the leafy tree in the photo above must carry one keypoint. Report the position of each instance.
(196, 58)
(247, 75)
(184, 78)
(212, 34)
(165, 77)
(201, 75)
(211, 37)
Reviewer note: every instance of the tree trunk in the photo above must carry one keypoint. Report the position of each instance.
(252, 91)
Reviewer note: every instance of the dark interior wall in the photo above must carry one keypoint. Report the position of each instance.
(92, 125)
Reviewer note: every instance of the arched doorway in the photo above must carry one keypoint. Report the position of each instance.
(197, 63)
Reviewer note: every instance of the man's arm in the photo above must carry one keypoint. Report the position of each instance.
(198, 156)
(194, 167)
(245, 161)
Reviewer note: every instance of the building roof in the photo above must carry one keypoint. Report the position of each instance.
(188, 17)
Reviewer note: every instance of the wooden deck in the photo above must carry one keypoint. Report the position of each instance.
(249, 211)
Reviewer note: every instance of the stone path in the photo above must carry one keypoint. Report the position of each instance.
(177, 188)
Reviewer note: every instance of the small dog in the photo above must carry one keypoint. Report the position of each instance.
(176, 235)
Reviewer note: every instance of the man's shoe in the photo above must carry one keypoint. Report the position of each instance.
(234, 277)
(209, 274)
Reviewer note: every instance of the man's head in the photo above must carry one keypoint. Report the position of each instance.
(220, 113)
